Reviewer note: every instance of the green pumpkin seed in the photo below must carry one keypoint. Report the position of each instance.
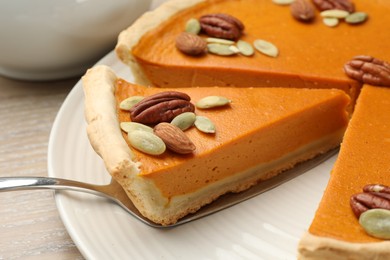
(266, 48)
(376, 222)
(220, 49)
(146, 142)
(128, 103)
(212, 101)
(282, 2)
(357, 17)
(204, 125)
(132, 126)
(234, 49)
(245, 48)
(184, 120)
(219, 40)
(331, 22)
(334, 13)
(193, 26)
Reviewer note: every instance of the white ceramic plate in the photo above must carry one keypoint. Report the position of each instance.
(268, 226)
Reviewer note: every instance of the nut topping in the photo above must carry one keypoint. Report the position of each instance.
(302, 10)
(204, 124)
(370, 70)
(345, 5)
(376, 222)
(127, 103)
(161, 107)
(191, 44)
(266, 48)
(356, 18)
(146, 142)
(193, 26)
(184, 120)
(283, 2)
(334, 13)
(220, 49)
(221, 26)
(374, 196)
(212, 102)
(174, 138)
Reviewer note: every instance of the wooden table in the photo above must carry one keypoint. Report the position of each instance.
(30, 225)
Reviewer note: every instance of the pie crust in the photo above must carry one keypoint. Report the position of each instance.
(131, 36)
(315, 247)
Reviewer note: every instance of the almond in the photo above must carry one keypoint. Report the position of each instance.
(191, 44)
(174, 138)
(302, 10)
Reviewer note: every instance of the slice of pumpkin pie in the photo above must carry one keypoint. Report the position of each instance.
(356, 185)
(238, 139)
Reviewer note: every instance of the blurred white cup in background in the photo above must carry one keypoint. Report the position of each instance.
(54, 39)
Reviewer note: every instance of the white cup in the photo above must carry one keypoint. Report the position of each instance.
(53, 39)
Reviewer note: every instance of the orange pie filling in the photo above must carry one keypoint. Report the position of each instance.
(363, 160)
(311, 55)
(261, 133)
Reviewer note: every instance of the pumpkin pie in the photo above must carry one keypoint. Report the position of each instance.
(311, 55)
(335, 232)
(262, 132)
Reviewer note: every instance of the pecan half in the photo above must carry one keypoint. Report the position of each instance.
(370, 70)
(221, 26)
(191, 44)
(174, 138)
(161, 107)
(345, 5)
(302, 10)
(374, 196)
(379, 190)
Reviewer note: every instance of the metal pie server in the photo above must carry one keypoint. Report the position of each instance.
(116, 194)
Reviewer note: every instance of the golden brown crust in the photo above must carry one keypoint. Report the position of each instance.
(106, 138)
(131, 36)
(315, 247)
(102, 121)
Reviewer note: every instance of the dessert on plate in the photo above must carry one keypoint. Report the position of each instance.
(289, 87)
(256, 135)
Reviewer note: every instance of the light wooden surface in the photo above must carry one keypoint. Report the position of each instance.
(30, 225)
